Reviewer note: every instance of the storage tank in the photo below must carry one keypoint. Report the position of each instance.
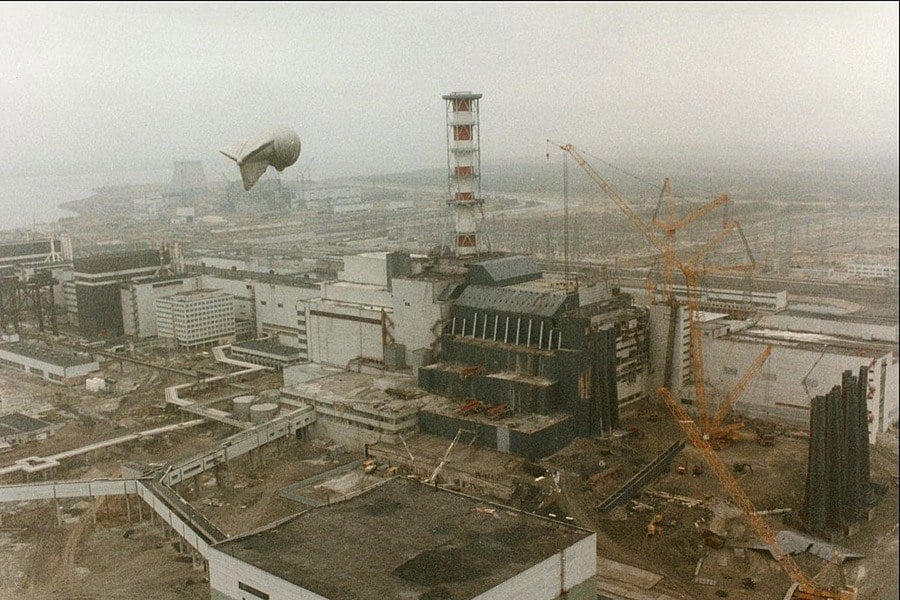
(241, 407)
(260, 413)
(270, 395)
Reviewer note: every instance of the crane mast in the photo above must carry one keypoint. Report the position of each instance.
(806, 588)
(665, 244)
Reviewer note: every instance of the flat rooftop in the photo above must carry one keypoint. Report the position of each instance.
(526, 423)
(813, 341)
(200, 294)
(268, 346)
(17, 422)
(403, 539)
(384, 393)
(53, 357)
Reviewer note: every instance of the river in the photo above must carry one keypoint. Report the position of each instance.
(27, 199)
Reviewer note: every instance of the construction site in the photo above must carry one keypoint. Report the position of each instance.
(411, 388)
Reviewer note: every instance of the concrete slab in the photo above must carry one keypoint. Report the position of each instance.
(614, 590)
(610, 569)
(796, 543)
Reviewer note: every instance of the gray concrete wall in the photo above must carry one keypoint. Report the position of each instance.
(658, 329)
(367, 267)
(244, 292)
(336, 341)
(352, 437)
(276, 309)
(890, 411)
(416, 311)
(139, 304)
(226, 572)
(777, 393)
(571, 571)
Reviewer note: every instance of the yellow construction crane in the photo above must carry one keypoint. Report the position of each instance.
(718, 432)
(691, 269)
(807, 589)
(672, 225)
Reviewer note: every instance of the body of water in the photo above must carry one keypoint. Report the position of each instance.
(31, 199)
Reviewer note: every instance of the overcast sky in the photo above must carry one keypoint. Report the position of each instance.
(133, 85)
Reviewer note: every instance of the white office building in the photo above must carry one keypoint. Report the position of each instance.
(196, 318)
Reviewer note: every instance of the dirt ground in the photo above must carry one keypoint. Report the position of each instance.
(777, 480)
(39, 559)
(80, 559)
(248, 497)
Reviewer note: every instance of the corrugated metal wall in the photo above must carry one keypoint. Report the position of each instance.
(838, 490)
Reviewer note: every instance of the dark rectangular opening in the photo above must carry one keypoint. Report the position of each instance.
(252, 590)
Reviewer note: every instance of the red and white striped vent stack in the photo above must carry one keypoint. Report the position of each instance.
(464, 169)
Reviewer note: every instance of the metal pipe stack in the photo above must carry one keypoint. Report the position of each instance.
(838, 490)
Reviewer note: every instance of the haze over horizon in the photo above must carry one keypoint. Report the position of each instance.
(140, 85)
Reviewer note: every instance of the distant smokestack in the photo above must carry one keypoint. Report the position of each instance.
(188, 175)
(464, 170)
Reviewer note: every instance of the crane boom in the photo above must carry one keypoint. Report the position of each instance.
(746, 247)
(805, 584)
(692, 283)
(705, 209)
(623, 205)
(741, 386)
(691, 269)
(712, 244)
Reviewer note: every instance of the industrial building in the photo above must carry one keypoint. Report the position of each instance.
(730, 300)
(16, 428)
(196, 318)
(802, 365)
(333, 200)
(403, 539)
(518, 343)
(873, 271)
(355, 409)
(242, 286)
(35, 253)
(63, 368)
(31, 280)
(276, 299)
(397, 312)
(265, 303)
(352, 319)
(96, 285)
(267, 352)
(139, 298)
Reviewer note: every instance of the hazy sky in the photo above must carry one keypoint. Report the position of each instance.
(132, 85)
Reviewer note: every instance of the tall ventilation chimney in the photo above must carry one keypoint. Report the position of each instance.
(464, 170)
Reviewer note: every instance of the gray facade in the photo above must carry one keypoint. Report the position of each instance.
(97, 280)
(796, 372)
(139, 302)
(403, 539)
(64, 368)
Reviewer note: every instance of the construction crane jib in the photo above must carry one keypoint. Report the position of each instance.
(807, 589)
(661, 236)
